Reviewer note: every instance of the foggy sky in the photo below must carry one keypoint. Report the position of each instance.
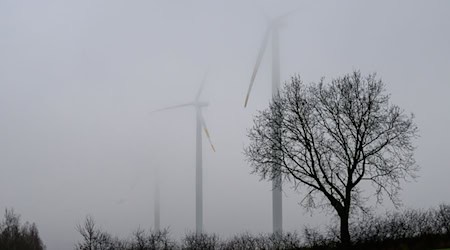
(79, 79)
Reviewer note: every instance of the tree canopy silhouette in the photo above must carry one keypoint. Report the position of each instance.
(330, 138)
(17, 236)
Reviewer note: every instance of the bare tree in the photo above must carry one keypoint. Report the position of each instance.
(330, 138)
(96, 239)
(158, 239)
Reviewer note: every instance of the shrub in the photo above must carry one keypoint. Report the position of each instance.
(410, 230)
(14, 236)
(153, 240)
(193, 241)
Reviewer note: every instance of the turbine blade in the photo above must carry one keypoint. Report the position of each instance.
(173, 107)
(202, 85)
(207, 132)
(258, 62)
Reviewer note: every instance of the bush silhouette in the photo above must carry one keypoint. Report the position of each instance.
(14, 236)
(411, 229)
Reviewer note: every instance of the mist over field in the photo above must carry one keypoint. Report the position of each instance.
(79, 81)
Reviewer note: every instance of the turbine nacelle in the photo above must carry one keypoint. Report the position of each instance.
(200, 104)
(279, 21)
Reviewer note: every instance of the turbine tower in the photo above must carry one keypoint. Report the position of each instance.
(272, 32)
(200, 124)
(157, 209)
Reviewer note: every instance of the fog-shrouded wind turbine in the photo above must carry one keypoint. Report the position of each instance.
(272, 33)
(200, 124)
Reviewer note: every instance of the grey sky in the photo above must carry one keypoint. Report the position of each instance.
(78, 81)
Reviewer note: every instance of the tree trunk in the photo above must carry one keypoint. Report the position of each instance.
(345, 233)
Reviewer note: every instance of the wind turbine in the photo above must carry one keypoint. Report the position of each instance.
(272, 32)
(200, 123)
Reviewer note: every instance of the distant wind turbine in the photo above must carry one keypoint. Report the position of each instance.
(200, 123)
(272, 32)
